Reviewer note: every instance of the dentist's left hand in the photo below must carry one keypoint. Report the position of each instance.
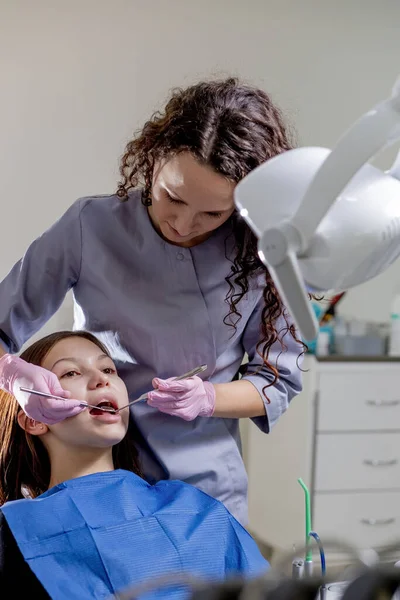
(184, 398)
(16, 373)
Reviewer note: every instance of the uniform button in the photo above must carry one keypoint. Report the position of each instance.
(180, 256)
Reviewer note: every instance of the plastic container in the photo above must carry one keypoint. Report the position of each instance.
(394, 335)
(323, 343)
(362, 345)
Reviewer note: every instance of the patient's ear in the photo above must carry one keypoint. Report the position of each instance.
(30, 425)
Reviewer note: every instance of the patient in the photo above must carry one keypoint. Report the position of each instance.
(77, 520)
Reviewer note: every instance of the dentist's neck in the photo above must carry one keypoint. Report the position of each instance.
(77, 462)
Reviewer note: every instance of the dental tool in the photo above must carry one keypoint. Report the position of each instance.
(109, 409)
(85, 404)
(308, 564)
(191, 373)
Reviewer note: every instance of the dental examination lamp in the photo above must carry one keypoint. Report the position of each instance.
(327, 220)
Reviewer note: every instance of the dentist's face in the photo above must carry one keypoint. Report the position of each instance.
(189, 200)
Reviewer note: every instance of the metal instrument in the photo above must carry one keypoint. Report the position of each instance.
(191, 373)
(109, 409)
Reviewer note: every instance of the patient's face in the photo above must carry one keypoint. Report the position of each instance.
(91, 376)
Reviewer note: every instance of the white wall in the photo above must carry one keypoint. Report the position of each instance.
(78, 77)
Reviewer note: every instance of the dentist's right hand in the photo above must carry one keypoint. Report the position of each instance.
(16, 373)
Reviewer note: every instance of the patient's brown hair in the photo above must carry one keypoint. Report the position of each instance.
(24, 462)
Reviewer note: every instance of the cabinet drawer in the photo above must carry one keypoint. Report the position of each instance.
(364, 520)
(364, 399)
(357, 461)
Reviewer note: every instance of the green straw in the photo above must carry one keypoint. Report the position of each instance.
(309, 554)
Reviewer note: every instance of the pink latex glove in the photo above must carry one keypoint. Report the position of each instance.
(185, 398)
(16, 373)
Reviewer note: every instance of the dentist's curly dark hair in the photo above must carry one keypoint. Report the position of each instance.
(232, 128)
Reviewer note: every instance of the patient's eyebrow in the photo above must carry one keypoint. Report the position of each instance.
(76, 360)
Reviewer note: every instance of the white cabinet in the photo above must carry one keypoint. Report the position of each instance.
(366, 520)
(357, 461)
(342, 436)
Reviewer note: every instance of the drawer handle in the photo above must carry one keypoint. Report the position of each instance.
(380, 463)
(383, 403)
(377, 522)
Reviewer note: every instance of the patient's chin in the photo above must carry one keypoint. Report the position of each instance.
(111, 437)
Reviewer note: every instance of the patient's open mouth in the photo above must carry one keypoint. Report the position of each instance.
(105, 404)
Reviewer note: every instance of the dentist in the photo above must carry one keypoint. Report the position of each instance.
(167, 275)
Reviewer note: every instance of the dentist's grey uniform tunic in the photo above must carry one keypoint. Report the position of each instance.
(160, 310)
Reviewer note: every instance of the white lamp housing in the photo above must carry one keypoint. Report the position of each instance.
(327, 220)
